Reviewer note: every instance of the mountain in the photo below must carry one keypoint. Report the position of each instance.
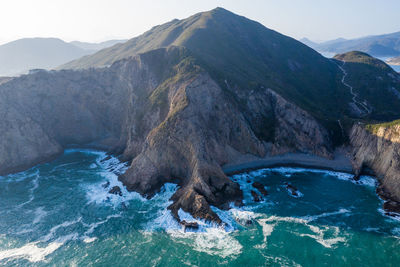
(22, 55)
(96, 46)
(36, 53)
(190, 96)
(386, 45)
(375, 83)
(239, 51)
(308, 42)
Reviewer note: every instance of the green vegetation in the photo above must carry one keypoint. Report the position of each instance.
(374, 81)
(242, 55)
(186, 67)
(373, 128)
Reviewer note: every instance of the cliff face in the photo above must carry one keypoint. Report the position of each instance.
(379, 149)
(162, 111)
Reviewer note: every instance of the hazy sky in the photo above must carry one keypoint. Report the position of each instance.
(98, 20)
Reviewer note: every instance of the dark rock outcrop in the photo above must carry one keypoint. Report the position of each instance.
(292, 189)
(189, 225)
(256, 196)
(260, 187)
(116, 190)
(162, 111)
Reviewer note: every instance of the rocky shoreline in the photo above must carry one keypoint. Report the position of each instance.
(178, 115)
(341, 162)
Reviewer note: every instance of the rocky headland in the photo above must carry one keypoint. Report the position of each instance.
(184, 108)
(377, 147)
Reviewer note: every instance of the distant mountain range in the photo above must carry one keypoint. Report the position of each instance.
(20, 56)
(386, 45)
(96, 46)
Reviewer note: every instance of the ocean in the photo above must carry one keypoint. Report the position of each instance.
(61, 214)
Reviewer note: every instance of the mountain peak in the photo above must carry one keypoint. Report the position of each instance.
(362, 57)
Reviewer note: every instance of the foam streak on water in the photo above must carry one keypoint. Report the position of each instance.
(61, 213)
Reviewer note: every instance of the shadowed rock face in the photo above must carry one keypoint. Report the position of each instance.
(162, 111)
(379, 150)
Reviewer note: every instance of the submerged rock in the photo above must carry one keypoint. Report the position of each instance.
(260, 187)
(292, 189)
(108, 157)
(116, 190)
(392, 207)
(256, 197)
(190, 225)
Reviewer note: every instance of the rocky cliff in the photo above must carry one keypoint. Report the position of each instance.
(189, 96)
(161, 110)
(378, 147)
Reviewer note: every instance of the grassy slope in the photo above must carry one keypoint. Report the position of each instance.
(373, 128)
(249, 56)
(372, 80)
(243, 52)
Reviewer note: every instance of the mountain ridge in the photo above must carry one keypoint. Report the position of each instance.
(384, 45)
(20, 56)
(179, 113)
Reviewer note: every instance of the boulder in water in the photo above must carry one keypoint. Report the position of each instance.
(292, 189)
(191, 225)
(106, 184)
(116, 190)
(256, 197)
(391, 207)
(260, 187)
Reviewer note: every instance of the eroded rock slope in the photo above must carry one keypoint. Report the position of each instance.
(378, 147)
(162, 111)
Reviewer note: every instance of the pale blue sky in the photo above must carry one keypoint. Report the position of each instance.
(98, 20)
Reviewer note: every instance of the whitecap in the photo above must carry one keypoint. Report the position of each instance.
(84, 151)
(93, 226)
(325, 214)
(163, 218)
(39, 214)
(111, 163)
(210, 238)
(372, 229)
(319, 236)
(99, 194)
(54, 229)
(21, 176)
(89, 239)
(35, 185)
(93, 166)
(267, 229)
(288, 171)
(213, 241)
(396, 232)
(319, 233)
(392, 217)
(35, 253)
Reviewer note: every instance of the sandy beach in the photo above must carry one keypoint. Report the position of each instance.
(340, 162)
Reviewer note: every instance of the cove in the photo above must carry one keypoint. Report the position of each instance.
(60, 213)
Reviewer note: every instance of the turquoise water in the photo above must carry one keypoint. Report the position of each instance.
(60, 214)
